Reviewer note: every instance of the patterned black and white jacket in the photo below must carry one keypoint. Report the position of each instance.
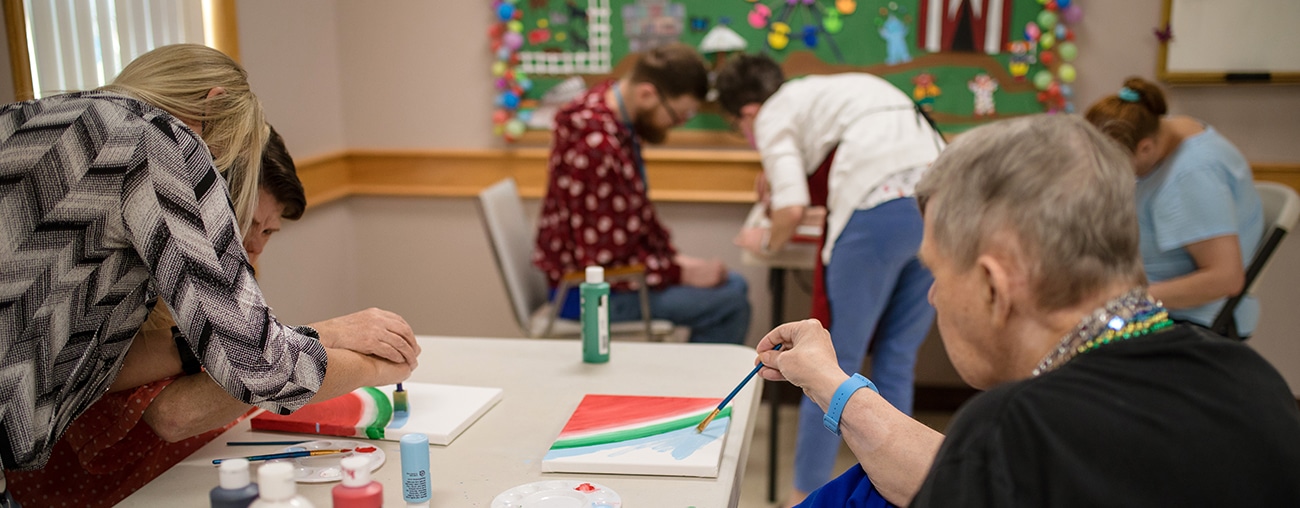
(107, 202)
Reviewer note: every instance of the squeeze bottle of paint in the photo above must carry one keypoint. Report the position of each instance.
(595, 316)
(278, 487)
(357, 490)
(416, 486)
(235, 490)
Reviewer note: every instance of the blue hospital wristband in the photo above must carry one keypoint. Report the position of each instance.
(851, 385)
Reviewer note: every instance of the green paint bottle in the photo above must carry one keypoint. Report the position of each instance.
(595, 316)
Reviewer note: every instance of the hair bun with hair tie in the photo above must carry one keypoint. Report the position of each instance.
(1127, 94)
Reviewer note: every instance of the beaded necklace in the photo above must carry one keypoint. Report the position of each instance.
(1132, 314)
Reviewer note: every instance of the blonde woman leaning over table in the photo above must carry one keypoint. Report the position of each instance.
(119, 195)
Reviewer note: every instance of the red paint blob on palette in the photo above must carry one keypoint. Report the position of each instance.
(366, 449)
(585, 488)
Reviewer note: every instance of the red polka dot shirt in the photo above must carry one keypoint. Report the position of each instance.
(596, 210)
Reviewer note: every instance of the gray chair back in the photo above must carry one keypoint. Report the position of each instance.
(511, 235)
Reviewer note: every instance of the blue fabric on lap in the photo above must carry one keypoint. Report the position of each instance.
(853, 489)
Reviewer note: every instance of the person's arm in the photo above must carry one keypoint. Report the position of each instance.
(195, 404)
(190, 243)
(374, 332)
(151, 357)
(775, 133)
(1195, 210)
(191, 405)
(784, 222)
(1219, 274)
(895, 450)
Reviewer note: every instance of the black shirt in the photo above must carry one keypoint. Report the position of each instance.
(1178, 418)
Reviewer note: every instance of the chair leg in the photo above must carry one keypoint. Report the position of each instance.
(561, 294)
(645, 313)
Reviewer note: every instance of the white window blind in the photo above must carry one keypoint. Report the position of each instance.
(83, 44)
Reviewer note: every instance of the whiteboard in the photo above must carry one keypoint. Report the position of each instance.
(1231, 40)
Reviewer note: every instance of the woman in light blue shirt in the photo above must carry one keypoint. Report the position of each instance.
(1198, 212)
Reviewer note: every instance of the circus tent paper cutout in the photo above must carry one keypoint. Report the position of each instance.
(440, 411)
(626, 434)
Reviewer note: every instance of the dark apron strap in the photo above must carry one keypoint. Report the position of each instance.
(818, 193)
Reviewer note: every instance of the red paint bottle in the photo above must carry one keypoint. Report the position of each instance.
(357, 490)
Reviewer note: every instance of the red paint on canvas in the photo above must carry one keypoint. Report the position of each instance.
(598, 412)
(337, 417)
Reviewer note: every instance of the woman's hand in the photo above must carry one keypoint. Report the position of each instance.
(374, 332)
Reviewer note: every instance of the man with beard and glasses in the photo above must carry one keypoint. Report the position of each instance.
(597, 211)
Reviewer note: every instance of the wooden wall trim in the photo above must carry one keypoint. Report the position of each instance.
(688, 175)
(1283, 173)
(683, 175)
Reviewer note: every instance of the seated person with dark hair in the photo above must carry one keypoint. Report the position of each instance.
(107, 454)
(1094, 397)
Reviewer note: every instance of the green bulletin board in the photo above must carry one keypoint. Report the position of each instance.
(556, 39)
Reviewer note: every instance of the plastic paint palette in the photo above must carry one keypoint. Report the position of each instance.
(558, 494)
(328, 468)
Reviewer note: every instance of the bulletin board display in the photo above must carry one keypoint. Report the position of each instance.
(966, 61)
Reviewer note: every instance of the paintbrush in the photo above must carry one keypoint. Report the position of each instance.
(401, 410)
(288, 455)
(714, 414)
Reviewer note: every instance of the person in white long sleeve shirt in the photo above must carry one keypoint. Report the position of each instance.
(857, 145)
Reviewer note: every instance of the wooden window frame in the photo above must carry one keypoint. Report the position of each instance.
(221, 29)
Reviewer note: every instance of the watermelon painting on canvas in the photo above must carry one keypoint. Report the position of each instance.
(628, 434)
(440, 411)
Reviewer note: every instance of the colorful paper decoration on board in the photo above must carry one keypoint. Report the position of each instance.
(1050, 37)
(983, 87)
(825, 22)
(648, 24)
(924, 90)
(963, 26)
(894, 32)
(505, 37)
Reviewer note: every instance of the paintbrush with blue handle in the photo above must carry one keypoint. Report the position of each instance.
(743, 382)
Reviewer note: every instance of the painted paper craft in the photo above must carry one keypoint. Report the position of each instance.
(627, 434)
(440, 411)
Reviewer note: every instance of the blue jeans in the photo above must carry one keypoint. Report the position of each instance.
(715, 315)
(877, 290)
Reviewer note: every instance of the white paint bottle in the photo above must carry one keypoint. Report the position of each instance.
(278, 487)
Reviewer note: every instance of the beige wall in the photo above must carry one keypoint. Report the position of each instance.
(413, 74)
(291, 51)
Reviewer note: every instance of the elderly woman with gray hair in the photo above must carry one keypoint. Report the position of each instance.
(1093, 396)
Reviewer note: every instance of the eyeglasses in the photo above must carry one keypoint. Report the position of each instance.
(676, 118)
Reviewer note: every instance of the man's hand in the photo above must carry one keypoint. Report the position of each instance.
(701, 273)
(806, 358)
(752, 240)
(373, 332)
